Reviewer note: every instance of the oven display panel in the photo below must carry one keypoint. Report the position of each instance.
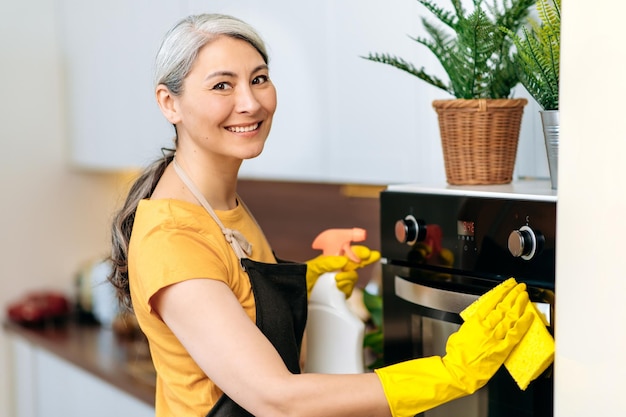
(465, 229)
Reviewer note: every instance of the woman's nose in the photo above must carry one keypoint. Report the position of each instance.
(247, 100)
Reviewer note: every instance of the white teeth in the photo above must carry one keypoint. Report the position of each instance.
(242, 129)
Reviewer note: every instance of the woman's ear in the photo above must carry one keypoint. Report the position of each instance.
(167, 103)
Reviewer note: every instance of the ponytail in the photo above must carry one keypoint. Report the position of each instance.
(123, 225)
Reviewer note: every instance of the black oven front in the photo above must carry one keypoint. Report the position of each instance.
(442, 249)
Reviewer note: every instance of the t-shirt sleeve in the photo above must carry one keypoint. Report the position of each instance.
(168, 255)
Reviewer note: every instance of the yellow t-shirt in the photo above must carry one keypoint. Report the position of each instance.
(173, 241)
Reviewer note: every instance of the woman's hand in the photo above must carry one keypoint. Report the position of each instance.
(346, 276)
(473, 355)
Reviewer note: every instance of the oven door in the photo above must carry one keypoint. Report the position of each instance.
(421, 310)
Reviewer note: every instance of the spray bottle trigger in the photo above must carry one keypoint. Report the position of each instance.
(337, 242)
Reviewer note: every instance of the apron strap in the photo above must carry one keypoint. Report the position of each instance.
(236, 239)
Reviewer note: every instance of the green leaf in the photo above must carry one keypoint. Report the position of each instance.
(374, 341)
(471, 47)
(537, 55)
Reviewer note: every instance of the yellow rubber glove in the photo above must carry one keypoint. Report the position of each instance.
(473, 355)
(347, 276)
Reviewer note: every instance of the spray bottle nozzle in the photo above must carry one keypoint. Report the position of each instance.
(337, 242)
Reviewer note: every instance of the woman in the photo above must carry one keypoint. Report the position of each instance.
(223, 318)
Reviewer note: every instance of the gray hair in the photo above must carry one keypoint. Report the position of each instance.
(181, 44)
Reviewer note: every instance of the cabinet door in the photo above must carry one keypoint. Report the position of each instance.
(107, 49)
(45, 385)
(22, 377)
(384, 129)
(63, 389)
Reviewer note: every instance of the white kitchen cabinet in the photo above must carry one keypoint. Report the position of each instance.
(46, 385)
(107, 49)
(340, 118)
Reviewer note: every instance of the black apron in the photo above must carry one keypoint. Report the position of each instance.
(280, 297)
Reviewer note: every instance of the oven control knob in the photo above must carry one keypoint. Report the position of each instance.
(525, 243)
(410, 230)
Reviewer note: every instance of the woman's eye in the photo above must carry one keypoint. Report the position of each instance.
(260, 79)
(221, 86)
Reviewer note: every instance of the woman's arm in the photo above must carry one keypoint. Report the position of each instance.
(209, 321)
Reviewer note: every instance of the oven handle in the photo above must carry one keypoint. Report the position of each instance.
(444, 300)
(437, 299)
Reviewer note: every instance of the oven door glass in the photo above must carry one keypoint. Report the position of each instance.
(429, 336)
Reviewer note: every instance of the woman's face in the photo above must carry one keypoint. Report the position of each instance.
(228, 101)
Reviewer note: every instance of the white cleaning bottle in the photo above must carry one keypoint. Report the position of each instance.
(334, 334)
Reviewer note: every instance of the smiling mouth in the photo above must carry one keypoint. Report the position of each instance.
(243, 129)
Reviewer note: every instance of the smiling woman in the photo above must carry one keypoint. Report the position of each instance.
(224, 318)
(226, 109)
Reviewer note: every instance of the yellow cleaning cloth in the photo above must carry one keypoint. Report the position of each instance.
(533, 354)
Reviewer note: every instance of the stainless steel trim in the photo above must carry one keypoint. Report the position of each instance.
(444, 300)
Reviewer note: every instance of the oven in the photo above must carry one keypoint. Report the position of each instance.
(442, 247)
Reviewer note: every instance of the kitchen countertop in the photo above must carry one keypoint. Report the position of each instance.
(123, 363)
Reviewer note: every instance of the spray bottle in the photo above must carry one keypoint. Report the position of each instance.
(334, 341)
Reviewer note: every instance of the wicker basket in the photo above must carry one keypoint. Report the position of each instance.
(479, 139)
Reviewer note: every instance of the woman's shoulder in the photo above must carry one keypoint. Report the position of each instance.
(168, 206)
(164, 217)
(166, 226)
(170, 213)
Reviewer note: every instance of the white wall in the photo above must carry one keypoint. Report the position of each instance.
(591, 279)
(51, 218)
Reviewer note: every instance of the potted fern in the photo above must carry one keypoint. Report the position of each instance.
(480, 127)
(538, 61)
